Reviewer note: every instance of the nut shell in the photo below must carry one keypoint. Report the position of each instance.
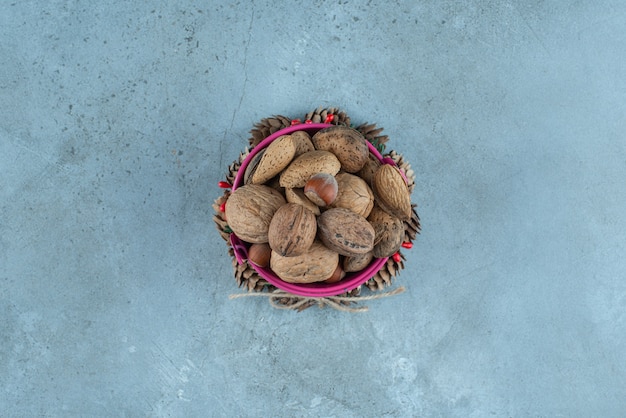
(292, 230)
(337, 275)
(345, 232)
(276, 157)
(249, 210)
(348, 144)
(321, 189)
(315, 265)
(391, 192)
(368, 170)
(354, 194)
(303, 142)
(357, 262)
(297, 196)
(389, 232)
(307, 164)
(259, 254)
(252, 166)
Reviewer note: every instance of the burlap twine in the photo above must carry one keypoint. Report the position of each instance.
(277, 296)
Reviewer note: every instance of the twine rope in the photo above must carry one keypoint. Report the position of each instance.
(334, 302)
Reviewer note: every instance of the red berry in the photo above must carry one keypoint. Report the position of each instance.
(329, 118)
(223, 207)
(308, 121)
(295, 122)
(224, 185)
(408, 245)
(396, 257)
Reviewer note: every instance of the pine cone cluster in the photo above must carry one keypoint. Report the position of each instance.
(384, 277)
(266, 127)
(245, 275)
(372, 134)
(219, 218)
(412, 227)
(331, 115)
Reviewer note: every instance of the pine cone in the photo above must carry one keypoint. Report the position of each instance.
(371, 133)
(412, 227)
(384, 277)
(234, 167)
(354, 292)
(246, 276)
(266, 127)
(219, 218)
(320, 115)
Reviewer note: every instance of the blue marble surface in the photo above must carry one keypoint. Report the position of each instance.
(118, 119)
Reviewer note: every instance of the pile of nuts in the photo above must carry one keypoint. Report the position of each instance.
(315, 208)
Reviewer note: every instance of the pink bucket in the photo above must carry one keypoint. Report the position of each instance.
(319, 289)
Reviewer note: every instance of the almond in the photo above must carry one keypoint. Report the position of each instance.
(349, 145)
(276, 157)
(252, 166)
(303, 142)
(307, 164)
(391, 192)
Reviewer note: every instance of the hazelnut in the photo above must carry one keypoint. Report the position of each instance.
(337, 275)
(259, 254)
(321, 189)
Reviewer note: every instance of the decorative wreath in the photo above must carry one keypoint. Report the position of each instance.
(248, 277)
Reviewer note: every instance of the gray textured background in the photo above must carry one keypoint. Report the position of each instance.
(118, 119)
